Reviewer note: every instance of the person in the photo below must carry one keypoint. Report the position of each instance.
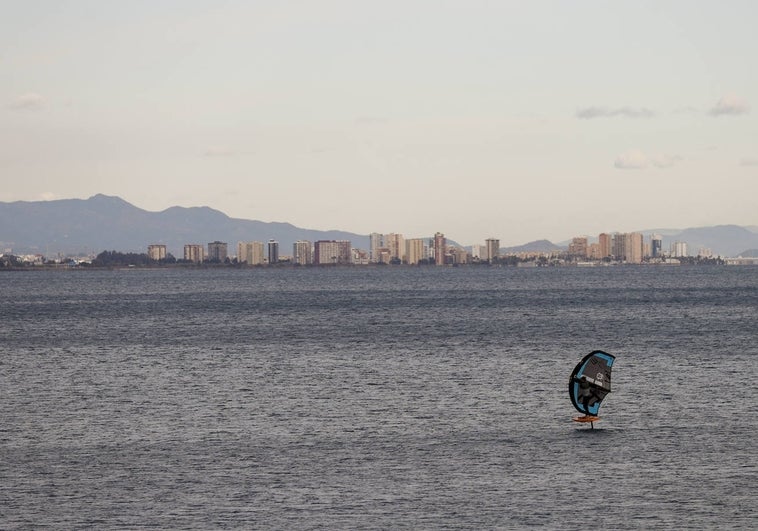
(586, 396)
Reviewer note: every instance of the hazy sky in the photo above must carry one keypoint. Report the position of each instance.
(506, 119)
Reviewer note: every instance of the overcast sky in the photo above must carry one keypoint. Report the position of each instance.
(514, 120)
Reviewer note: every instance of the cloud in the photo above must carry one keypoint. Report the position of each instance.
(749, 161)
(28, 102)
(219, 151)
(588, 113)
(47, 196)
(730, 105)
(634, 159)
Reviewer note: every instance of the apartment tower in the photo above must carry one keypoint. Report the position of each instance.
(493, 249)
(156, 252)
(439, 249)
(194, 252)
(217, 251)
(302, 252)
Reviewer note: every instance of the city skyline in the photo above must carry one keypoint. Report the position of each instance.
(394, 248)
(114, 218)
(630, 247)
(521, 120)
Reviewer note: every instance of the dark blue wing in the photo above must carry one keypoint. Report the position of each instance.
(591, 381)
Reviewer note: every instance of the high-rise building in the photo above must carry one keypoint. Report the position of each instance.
(259, 255)
(302, 253)
(656, 245)
(156, 252)
(250, 253)
(679, 249)
(593, 251)
(628, 247)
(439, 248)
(459, 255)
(194, 252)
(636, 251)
(332, 252)
(376, 243)
(395, 243)
(617, 247)
(273, 251)
(578, 248)
(414, 251)
(478, 252)
(493, 249)
(604, 242)
(217, 251)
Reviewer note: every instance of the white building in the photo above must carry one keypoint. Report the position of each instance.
(679, 249)
(302, 252)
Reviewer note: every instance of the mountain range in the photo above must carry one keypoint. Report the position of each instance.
(89, 226)
(107, 223)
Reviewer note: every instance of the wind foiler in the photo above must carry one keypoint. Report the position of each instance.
(589, 384)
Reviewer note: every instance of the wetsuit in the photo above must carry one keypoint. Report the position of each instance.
(585, 395)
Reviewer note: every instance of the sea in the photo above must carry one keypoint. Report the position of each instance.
(377, 398)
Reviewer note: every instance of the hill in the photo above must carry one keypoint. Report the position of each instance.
(723, 240)
(538, 246)
(83, 226)
(100, 223)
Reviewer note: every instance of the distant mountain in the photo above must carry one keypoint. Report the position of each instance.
(722, 240)
(106, 223)
(538, 246)
(100, 223)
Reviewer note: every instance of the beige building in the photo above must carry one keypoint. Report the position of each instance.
(628, 247)
(395, 243)
(636, 248)
(414, 251)
(250, 253)
(459, 255)
(156, 252)
(332, 252)
(593, 252)
(604, 242)
(194, 252)
(578, 248)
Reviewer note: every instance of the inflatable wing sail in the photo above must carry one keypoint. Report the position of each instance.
(591, 381)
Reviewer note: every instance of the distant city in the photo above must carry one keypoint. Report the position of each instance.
(395, 249)
(106, 231)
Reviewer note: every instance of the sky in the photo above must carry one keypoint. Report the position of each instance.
(517, 120)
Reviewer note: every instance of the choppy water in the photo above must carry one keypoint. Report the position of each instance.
(376, 398)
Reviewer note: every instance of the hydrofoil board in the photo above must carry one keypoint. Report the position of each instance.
(586, 418)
